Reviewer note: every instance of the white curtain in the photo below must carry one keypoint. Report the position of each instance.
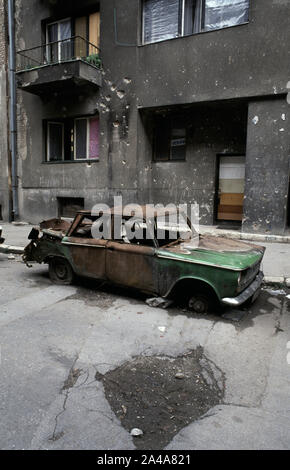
(161, 20)
(224, 13)
(65, 46)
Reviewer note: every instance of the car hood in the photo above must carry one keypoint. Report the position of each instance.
(215, 251)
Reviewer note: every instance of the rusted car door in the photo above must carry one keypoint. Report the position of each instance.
(88, 256)
(132, 266)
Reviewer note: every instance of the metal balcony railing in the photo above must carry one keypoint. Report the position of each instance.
(66, 50)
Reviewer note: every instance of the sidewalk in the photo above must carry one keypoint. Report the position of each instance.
(238, 235)
(276, 262)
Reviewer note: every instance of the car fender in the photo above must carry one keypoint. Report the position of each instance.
(193, 278)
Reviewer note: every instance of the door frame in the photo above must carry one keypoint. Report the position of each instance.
(217, 174)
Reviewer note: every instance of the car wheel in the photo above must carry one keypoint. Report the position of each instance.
(198, 304)
(60, 271)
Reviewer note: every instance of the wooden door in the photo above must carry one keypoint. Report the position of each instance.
(231, 188)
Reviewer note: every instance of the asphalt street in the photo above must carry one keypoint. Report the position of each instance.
(56, 341)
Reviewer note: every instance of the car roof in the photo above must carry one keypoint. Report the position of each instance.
(135, 210)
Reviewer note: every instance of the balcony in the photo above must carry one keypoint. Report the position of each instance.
(61, 66)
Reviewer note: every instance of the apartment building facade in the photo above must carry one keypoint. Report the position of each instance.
(157, 101)
(5, 179)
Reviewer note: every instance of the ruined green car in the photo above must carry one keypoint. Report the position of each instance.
(148, 253)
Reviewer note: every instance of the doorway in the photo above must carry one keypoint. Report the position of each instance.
(230, 188)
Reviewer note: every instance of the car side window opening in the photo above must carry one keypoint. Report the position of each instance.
(167, 19)
(136, 231)
(164, 229)
(93, 227)
(170, 228)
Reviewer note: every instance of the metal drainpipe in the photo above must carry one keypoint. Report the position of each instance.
(12, 120)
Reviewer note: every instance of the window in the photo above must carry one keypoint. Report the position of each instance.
(55, 141)
(87, 27)
(221, 14)
(166, 19)
(169, 140)
(81, 139)
(68, 206)
(72, 37)
(59, 46)
(72, 139)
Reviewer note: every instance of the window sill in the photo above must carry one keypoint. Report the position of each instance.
(169, 161)
(64, 162)
(193, 34)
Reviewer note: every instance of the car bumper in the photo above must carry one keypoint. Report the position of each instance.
(251, 291)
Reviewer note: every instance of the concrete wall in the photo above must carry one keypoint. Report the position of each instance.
(4, 192)
(238, 64)
(267, 166)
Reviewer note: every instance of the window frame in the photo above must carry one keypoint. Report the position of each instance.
(171, 123)
(65, 122)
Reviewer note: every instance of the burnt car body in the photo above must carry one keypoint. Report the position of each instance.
(199, 269)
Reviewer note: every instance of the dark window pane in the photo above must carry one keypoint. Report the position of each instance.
(52, 49)
(178, 144)
(55, 141)
(81, 139)
(161, 20)
(224, 13)
(162, 137)
(52, 31)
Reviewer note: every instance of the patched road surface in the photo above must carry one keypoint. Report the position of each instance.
(82, 367)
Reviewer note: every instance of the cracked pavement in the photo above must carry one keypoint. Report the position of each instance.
(55, 339)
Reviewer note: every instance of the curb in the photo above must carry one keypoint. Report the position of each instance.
(245, 236)
(277, 280)
(9, 249)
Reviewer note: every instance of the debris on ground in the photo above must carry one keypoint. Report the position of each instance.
(159, 302)
(179, 375)
(11, 257)
(149, 390)
(136, 432)
(275, 291)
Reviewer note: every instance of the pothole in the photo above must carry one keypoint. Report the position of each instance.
(162, 395)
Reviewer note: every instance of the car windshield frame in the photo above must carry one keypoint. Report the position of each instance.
(151, 226)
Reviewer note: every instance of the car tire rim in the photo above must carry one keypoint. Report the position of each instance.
(198, 305)
(61, 271)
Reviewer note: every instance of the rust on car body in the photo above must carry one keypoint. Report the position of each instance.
(56, 225)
